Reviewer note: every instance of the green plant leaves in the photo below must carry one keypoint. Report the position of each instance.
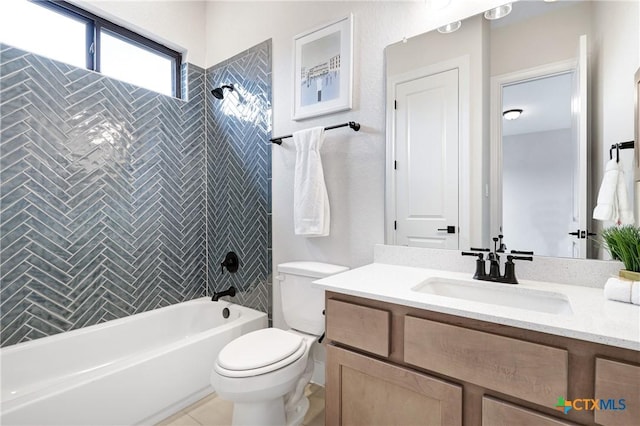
(623, 243)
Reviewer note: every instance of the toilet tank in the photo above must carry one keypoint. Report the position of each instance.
(302, 305)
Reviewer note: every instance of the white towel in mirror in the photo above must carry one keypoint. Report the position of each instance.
(613, 200)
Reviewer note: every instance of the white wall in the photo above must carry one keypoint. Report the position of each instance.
(178, 24)
(613, 89)
(516, 47)
(353, 162)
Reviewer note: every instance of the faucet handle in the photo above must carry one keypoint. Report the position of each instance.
(512, 258)
(502, 247)
(231, 262)
(480, 270)
(478, 249)
(469, 253)
(510, 268)
(521, 252)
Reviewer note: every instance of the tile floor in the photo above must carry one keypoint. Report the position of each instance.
(213, 411)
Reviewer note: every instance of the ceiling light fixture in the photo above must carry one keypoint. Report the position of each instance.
(449, 28)
(498, 12)
(512, 114)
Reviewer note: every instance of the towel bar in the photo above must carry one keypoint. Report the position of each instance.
(352, 124)
(618, 146)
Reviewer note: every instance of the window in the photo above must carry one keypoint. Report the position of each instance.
(123, 60)
(72, 35)
(62, 36)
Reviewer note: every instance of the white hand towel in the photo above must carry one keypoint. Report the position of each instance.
(613, 201)
(311, 212)
(625, 214)
(622, 290)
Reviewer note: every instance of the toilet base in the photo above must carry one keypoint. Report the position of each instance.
(262, 413)
(269, 413)
(296, 414)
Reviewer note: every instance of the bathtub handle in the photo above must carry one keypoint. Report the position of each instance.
(231, 262)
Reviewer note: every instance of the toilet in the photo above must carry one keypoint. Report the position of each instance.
(264, 372)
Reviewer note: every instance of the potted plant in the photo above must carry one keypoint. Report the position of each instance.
(623, 243)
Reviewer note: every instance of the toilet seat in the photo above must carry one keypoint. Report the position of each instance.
(259, 352)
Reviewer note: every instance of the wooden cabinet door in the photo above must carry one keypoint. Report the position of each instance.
(618, 388)
(365, 391)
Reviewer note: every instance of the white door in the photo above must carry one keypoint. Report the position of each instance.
(426, 157)
(579, 121)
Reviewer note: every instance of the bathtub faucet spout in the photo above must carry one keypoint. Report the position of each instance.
(231, 291)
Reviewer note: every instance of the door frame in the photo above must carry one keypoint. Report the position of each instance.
(462, 63)
(495, 128)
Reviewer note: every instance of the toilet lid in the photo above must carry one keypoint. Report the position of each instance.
(259, 349)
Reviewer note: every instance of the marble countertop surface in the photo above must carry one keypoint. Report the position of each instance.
(593, 318)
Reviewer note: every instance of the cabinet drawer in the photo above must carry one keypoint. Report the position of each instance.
(499, 413)
(358, 326)
(525, 370)
(617, 381)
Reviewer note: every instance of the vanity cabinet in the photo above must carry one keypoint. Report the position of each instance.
(394, 364)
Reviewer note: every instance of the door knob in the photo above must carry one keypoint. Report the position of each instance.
(450, 229)
(581, 234)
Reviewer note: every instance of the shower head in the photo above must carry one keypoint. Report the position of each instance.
(218, 92)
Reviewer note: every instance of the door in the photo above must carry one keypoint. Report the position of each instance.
(542, 158)
(426, 161)
(365, 391)
(579, 118)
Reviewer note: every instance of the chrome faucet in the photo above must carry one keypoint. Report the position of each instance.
(493, 257)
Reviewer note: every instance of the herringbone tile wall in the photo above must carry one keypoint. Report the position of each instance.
(239, 175)
(103, 188)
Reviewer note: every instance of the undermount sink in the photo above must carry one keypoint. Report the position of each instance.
(498, 294)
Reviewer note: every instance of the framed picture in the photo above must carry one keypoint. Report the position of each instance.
(323, 69)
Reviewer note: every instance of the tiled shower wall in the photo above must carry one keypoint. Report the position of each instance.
(103, 188)
(239, 175)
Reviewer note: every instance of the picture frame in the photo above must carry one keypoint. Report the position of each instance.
(323, 69)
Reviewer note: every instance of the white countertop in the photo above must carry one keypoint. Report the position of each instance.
(594, 318)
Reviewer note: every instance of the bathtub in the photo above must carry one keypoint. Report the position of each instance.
(134, 370)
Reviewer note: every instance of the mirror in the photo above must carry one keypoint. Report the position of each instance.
(530, 174)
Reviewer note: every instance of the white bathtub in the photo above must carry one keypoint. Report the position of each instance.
(134, 370)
